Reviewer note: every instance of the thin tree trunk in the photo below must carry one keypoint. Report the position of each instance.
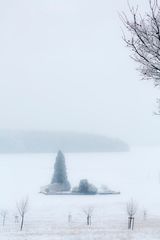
(87, 219)
(129, 222)
(22, 222)
(132, 223)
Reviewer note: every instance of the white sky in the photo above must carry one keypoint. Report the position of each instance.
(64, 66)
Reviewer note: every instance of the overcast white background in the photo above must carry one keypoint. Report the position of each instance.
(64, 66)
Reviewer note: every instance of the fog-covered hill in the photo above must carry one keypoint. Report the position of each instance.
(46, 142)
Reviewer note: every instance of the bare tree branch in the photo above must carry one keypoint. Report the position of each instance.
(143, 38)
(131, 208)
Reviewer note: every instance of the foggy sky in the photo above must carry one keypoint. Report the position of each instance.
(64, 66)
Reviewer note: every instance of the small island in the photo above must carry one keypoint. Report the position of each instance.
(60, 184)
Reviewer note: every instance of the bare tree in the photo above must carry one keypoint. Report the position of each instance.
(144, 39)
(131, 211)
(22, 207)
(88, 212)
(3, 215)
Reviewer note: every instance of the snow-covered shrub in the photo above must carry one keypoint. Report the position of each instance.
(85, 188)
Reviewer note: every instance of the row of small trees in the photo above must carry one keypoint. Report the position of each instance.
(22, 207)
(131, 211)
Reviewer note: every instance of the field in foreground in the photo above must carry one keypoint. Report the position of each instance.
(136, 174)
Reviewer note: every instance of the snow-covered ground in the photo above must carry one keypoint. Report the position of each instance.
(135, 174)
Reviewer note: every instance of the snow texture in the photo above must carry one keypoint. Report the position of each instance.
(136, 174)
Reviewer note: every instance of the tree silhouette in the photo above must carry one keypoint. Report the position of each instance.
(60, 172)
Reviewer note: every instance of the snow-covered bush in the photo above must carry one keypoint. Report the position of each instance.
(85, 188)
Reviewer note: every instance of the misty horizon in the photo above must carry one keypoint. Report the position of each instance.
(49, 142)
(64, 67)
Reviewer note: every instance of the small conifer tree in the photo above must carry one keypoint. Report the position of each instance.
(60, 172)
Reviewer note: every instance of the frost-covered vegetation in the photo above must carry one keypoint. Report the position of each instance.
(82, 217)
(60, 184)
(85, 187)
(60, 173)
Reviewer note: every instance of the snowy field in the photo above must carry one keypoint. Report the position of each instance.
(135, 174)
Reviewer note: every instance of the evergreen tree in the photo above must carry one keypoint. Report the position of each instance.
(60, 173)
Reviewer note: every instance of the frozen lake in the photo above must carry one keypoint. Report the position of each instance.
(135, 174)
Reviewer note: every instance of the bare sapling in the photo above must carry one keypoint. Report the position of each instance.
(89, 213)
(22, 207)
(3, 215)
(131, 211)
